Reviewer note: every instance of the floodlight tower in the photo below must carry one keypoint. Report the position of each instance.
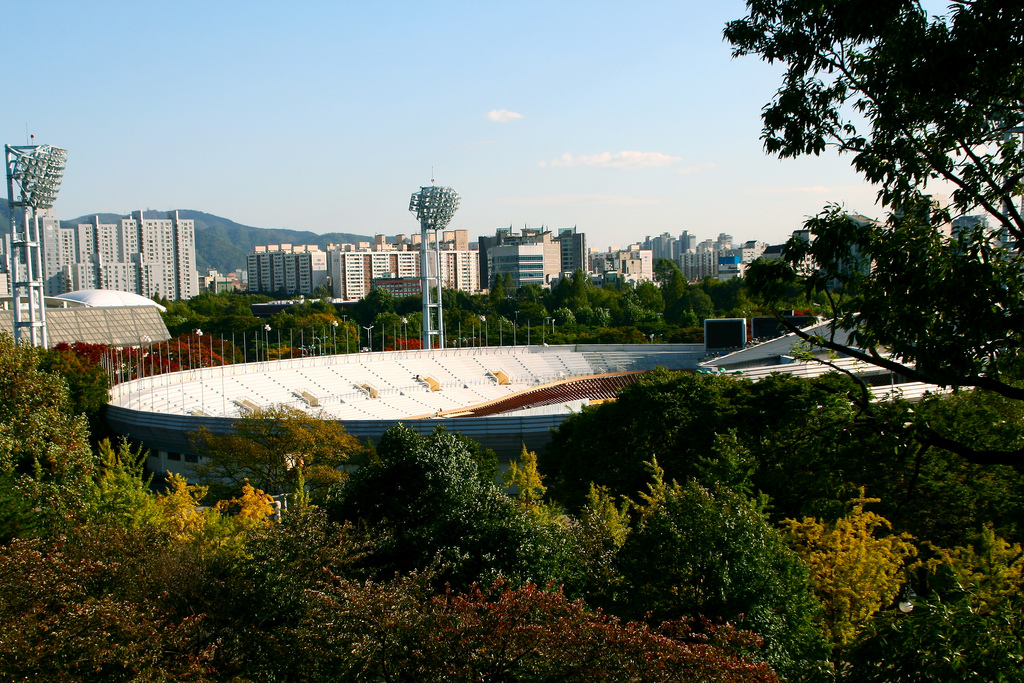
(434, 207)
(33, 178)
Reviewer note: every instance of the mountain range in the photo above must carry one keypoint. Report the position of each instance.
(221, 243)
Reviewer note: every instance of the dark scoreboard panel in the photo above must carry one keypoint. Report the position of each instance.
(725, 333)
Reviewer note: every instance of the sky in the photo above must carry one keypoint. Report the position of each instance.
(622, 119)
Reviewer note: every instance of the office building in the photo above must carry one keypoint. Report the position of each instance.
(562, 254)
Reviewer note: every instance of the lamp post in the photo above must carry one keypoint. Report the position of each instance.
(334, 337)
(266, 342)
(544, 329)
(515, 329)
(202, 384)
(369, 337)
(405, 332)
(483, 319)
(345, 319)
(148, 341)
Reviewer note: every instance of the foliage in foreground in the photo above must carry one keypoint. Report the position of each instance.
(111, 605)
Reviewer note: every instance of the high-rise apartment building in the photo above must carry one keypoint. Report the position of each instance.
(685, 244)
(350, 270)
(632, 264)
(149, 256)
(700, 264)
(662, 246)
(573, 245)
(287, 269)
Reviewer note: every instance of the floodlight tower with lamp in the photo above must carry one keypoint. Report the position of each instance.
(434, 207)
(33, 178)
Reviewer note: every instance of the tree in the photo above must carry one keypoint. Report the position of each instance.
(398, 631)
(46, 465)
(855, 569)
(439, 510)
(73, 609)
(673, 284)
(710, 552)
(373, 304)
(523, 475)
(79, 365)
(939, 641)
(650, 297)
(267, 448)
(120, 496)
(915, 99)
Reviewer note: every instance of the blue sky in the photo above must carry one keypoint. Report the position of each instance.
(625, 120)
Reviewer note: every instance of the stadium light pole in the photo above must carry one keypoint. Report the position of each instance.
(334, 337)
(34, 174)
(434, 207)
(486, 338)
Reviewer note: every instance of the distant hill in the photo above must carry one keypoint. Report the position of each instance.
(223, 244)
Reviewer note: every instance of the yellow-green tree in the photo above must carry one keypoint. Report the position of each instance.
(269, 448)
(527, 479)
(183, 518)
(251, 510)
(989, 570)
(120, 494)
(855, 565)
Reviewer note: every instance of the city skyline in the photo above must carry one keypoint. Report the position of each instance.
(624, 122)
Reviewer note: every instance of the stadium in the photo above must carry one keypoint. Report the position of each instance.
(503, 397)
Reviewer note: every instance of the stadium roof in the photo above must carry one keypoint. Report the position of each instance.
(105, 298)
(120, 326)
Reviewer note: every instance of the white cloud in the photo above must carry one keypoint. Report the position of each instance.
(503, 115)
(627, 160)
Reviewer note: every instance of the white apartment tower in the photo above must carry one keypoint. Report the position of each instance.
(147, 256)
(353, 272)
